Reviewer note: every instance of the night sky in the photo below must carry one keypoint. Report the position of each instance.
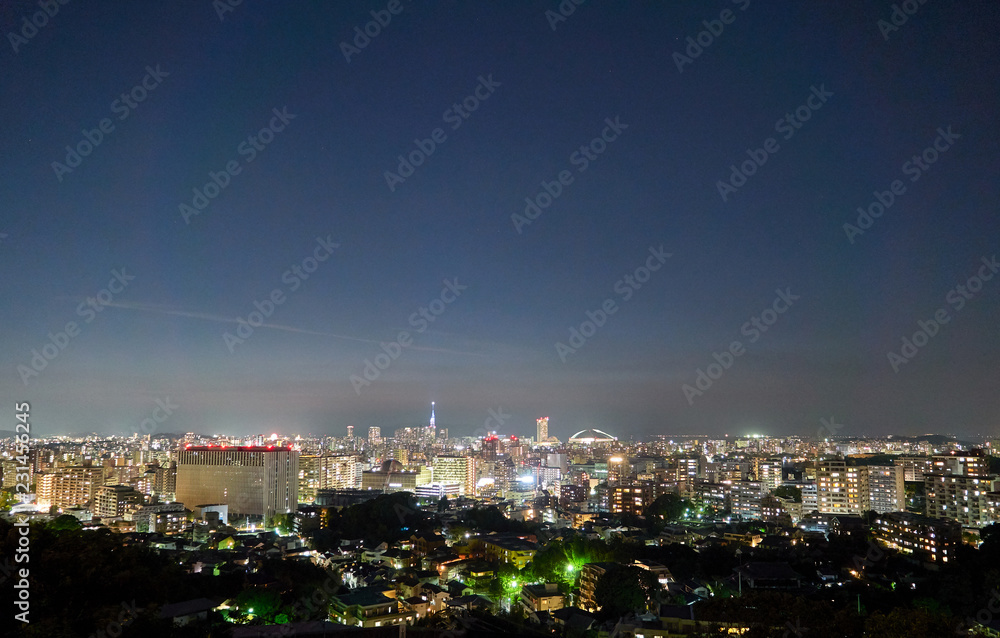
(862, 104)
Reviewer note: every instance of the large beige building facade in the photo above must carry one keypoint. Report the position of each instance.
(252, 481)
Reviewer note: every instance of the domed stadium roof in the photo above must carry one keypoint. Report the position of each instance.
(392, 465)
(592, 436)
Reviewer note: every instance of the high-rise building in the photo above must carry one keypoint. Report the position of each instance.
(971, 463)
(542, 426)
(746, 499)
(960, 498)
(69, 486)
(858, 489)
(618, 470)
(374, 436)
(253, 481)
(455, 469)
(914, 467)
(491, 444)
(769, 474)
(886, 488)
(350, 432)
(841, 489)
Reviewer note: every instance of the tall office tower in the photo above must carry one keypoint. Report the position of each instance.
(350, 432)
(886, 488)
(542, 424)
(252, 481)
(374, 436)
(432, 425)
(69, 486)
(491, 445)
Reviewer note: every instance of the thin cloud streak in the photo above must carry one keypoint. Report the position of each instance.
(274, 326)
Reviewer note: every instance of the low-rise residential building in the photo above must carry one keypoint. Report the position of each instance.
(932, 539)
(544, 597)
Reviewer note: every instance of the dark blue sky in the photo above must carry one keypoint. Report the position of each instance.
(655, 184)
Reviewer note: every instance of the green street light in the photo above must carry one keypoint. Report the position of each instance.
(569, 567)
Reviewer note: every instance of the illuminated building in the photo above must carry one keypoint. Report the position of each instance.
(960, 498)
(745, 497)
(325, 472)
(253, 481)
(914, 467)
(543, 597)
(972, 463)
(69, 486)
(630, 499)
(886, 488)
(542, 429)
(113, 500)
(592, 437)
(455, 469)
(842, 489)
(589, 576)
(490, 446)
(932, 539)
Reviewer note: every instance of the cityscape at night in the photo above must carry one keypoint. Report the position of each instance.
(564, 318)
